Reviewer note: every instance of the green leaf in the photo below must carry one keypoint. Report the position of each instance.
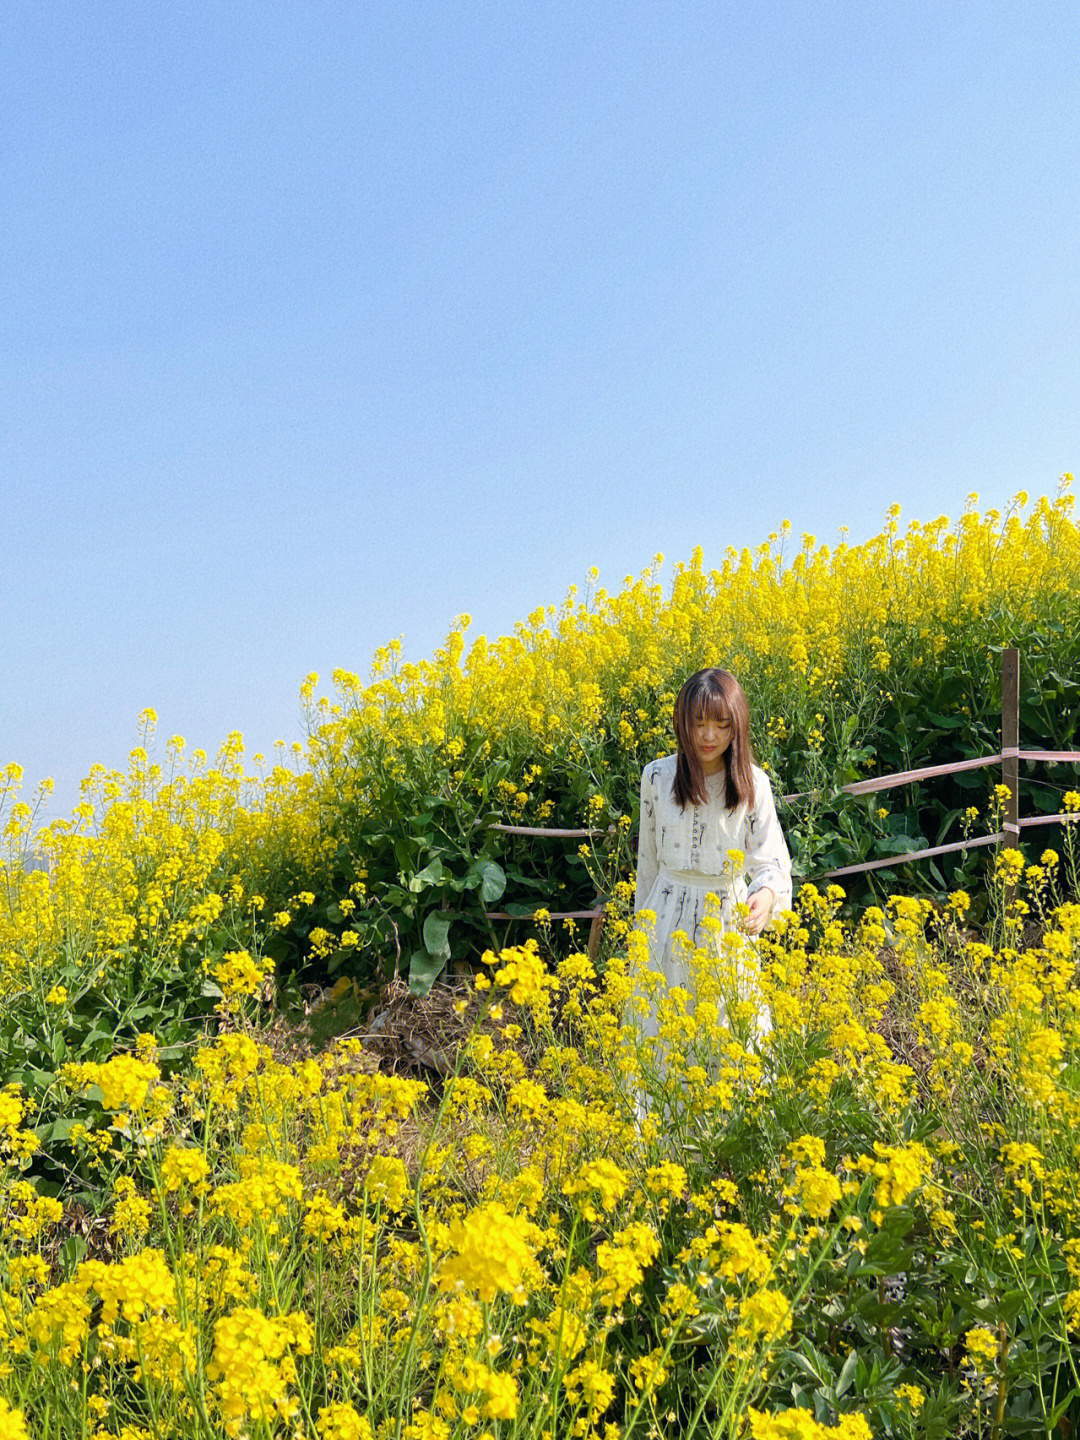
(529, 882)
(969, 779)
(847, 1373)
(1007, 1307)
(493, 881)
(436, 929)
(948, 722)
(337, 959)
(142, 1011)
(59, 1129)
(1048, 801)
(424, 969)
(96, 1037)
(72, 1252)
(899, 844)
(430, 875)
(943, 828)
(1062, 1407)
(211, 989)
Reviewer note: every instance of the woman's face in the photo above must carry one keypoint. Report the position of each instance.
(710, 738)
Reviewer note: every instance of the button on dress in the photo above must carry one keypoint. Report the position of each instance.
(682, 855)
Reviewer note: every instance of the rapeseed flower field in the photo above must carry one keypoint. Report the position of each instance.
(861, 1220)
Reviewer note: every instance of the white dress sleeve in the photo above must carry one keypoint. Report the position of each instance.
(648, 859)
(768, 861)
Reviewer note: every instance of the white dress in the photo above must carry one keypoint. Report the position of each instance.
(682, 855)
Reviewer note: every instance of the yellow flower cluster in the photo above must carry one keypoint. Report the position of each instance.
(12, 1423)
(238, 974)
(493, 1252)
(602, 1179)
(253, 1365)
(124, 1081)
(801, 1425)
(899, 1171)
(182, 1167)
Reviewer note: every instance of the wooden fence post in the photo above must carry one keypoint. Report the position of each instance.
(1010, 740)
(594, 935)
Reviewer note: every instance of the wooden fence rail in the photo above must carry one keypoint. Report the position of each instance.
(1008, 757)
(905, 777)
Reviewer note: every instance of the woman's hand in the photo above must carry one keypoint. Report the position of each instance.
(761, 904)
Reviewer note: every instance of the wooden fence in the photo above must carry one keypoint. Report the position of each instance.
(1008, 757)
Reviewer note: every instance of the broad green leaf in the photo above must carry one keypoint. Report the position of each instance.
(899, 844)
(430, 875)
(424, 969)
(1048, 801)
(59, 1129)
(948, 722)
(436, 929)
(493, 881)
(96, 1037)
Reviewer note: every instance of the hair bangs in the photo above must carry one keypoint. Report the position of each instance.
(709, 704)
(707, 701)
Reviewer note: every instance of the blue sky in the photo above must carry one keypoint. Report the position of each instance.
(324, 323)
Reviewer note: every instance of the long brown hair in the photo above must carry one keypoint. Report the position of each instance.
(716, 695)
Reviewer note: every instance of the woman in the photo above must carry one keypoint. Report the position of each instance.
(697, 805)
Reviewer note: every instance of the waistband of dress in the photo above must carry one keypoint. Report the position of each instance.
(720, 883)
